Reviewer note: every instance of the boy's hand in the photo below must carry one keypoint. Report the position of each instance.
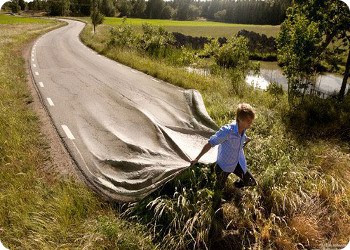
(247, 141)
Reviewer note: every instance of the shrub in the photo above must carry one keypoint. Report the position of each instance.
(233, 54)
(155, 40)
(275, 90)
(123, 36)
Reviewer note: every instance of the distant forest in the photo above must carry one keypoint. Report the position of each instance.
(230, 11)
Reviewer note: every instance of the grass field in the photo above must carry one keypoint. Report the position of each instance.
(7, 19)
(37, 210)
(196, 28)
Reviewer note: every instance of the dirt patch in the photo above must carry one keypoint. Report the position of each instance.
(59, 163)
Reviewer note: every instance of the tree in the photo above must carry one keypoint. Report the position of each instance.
(84, 7)
(124, 7)
(333, 18)
(153, 9)
(345, 79)
(167, 12)
(37, 5)
(96, 16)
(298, 53)
(108, 8)
(138, 9)
(58, 8)
(22, 4)
(183, 10)
(7, 6)
(15, 8)
(305, 39)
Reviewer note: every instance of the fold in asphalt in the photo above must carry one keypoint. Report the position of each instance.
(128, 132)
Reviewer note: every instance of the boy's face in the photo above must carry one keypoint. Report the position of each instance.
(246, 122)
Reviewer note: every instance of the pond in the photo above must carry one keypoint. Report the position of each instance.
(326, 84)
(271, 72)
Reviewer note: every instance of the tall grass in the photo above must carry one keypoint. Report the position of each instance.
(300, 179)
(37, 211)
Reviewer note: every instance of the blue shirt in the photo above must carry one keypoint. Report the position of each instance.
(230, 151)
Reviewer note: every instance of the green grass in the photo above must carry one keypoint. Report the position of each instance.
(38, 211)
(195, 28)
(304, 180)
(7, 19)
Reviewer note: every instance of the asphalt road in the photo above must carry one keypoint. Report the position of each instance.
(128, 132)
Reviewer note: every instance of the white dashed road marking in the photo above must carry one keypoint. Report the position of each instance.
(50, 102)
(36, 73)
(41, 84)
(155, 80)
(68, 133)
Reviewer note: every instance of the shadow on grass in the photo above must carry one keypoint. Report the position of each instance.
(317, 118)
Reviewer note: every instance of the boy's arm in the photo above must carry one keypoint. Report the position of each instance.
(204, 150)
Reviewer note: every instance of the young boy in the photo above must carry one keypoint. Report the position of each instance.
(231, 139)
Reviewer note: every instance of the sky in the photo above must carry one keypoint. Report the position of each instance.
(2, 2)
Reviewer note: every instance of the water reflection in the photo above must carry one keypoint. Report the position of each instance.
(270, 72)
(326, 84)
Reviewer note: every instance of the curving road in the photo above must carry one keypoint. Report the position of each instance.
(128, 132)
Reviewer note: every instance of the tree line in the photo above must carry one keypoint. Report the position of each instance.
(231, 11)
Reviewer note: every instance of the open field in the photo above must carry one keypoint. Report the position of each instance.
(38, 210)
(7, 19)
(196, 28)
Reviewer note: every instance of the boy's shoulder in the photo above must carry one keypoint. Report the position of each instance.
(230, 126)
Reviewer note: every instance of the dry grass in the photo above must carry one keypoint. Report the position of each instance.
(284, 243)
(307, 230)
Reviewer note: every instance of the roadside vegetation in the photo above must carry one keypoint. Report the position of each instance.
(37, 210)
(302, 199)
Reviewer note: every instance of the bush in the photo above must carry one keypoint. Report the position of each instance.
(233, 54)
(155, 40)
(275, 90)
(123, 36)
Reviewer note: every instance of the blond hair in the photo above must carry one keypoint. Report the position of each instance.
(244, 110)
